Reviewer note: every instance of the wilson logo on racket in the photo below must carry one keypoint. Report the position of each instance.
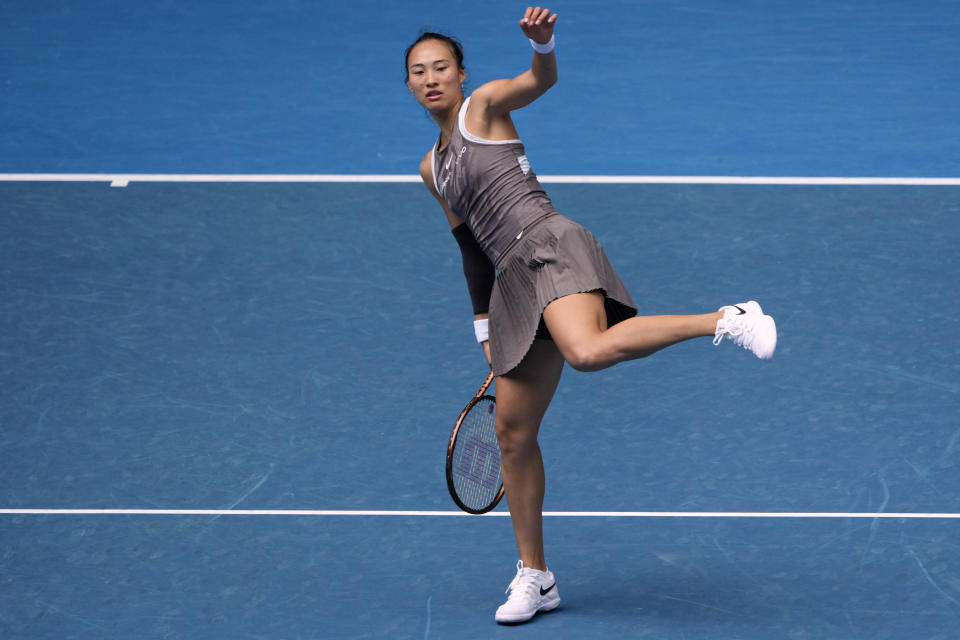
(473, 455)
(480, 462)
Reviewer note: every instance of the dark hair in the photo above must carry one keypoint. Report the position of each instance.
(454, 45)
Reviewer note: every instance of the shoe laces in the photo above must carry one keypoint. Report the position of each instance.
(738, 328)
(524, 584)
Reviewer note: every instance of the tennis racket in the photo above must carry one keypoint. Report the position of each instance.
(473, 456)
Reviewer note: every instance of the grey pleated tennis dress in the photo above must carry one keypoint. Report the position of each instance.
(539, 254)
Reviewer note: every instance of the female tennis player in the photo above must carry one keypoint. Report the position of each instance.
(543, 292)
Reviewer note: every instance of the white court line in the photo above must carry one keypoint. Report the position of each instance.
(548, 514)
(124, 179)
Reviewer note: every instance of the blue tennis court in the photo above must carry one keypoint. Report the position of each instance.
(226, 400)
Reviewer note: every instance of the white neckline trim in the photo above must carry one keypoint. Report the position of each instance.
(433, 166)
(472, 138)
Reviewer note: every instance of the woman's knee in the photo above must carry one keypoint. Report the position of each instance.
(584, 355)
(577, 324)
(515, 437)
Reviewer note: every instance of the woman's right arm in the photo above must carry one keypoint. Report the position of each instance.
(477, 267)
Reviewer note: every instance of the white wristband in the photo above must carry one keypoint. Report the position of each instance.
(482, 329)
(544, 48)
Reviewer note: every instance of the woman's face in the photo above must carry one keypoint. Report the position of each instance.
(434, 77)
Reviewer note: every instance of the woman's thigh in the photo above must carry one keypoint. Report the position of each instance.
(524, 393)
(575, 323)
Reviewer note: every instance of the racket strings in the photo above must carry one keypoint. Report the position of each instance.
(476, 458)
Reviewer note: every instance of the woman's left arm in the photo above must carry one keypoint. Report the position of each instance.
(500, 97)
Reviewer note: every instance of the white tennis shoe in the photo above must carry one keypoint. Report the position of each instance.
(746, 326)
(530, 591)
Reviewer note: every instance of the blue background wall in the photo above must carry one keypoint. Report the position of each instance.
(821, 88)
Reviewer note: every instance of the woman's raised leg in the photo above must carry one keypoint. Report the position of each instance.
(578, 324)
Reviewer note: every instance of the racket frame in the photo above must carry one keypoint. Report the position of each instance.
(480, 395)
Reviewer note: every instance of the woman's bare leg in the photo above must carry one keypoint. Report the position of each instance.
(578, 324)
(523, 396)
